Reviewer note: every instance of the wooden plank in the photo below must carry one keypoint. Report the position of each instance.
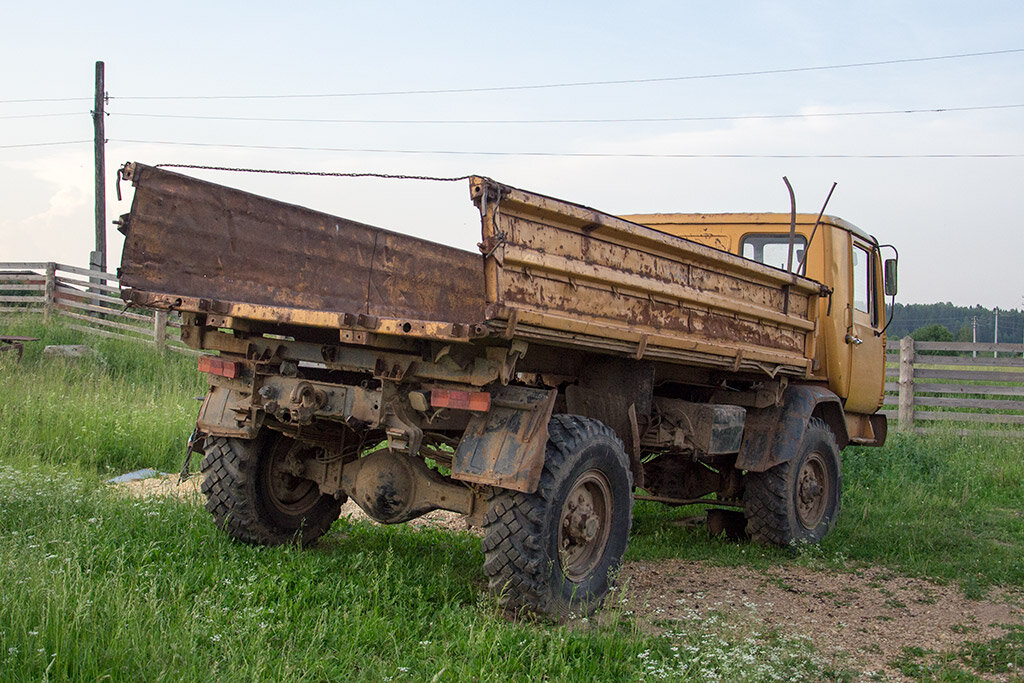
(968, 346)
(985, 361)
(993, 390)
(894, 345)
(24, 287)
(23, 299)
(109, 311)
(892, 387)
(978, 375)
(19, 309)
(906, 385)
(987, 403)
(109, 323)
(14, 265)
(85, 285)
(110, 277)
(1000, 433)
(950, 416)
(104, 333)
(184, 349)
(92, 296)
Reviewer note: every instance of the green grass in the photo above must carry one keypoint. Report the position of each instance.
(129, 408)
(98, 585)
(940, 506)
(1003, 656)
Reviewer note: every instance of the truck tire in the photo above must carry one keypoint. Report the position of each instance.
(797, 501)
(256, 501)
(556, 551)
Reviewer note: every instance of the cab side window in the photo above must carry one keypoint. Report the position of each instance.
(863, 284)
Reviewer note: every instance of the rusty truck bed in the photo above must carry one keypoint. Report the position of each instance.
(551, 272)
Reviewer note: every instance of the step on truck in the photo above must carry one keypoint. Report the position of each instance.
(579, 362)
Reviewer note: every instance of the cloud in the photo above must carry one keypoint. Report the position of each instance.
(53, 220)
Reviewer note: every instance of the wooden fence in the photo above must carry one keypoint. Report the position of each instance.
(967, 386)
(89, 298)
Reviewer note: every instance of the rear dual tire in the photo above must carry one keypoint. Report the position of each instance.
(254, 497)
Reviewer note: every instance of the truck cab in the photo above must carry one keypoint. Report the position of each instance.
(849, 355)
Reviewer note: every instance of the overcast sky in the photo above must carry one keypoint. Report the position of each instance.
(956, 221)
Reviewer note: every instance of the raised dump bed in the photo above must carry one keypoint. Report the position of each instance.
(551, 272)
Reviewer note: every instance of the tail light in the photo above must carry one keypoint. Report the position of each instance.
(218, 366)
(478, 401)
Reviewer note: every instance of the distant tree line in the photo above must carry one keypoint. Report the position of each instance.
(946, 322)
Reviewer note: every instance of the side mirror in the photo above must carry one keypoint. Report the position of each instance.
(889, 269)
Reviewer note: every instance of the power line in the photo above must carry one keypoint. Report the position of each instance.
(541, 86)
(579, 84)
(47, 99)
(610, 155)
(667, 119)
(41, 116)
(45, 144)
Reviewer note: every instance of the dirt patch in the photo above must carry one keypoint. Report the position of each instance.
(863, 617)
(167, 485)
(867, 615)
(163, 485)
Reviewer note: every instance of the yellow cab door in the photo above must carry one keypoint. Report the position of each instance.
(864, 322)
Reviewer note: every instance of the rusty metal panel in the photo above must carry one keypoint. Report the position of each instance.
(558, 271)
(505, 446)
(225, 412)
(218, 245)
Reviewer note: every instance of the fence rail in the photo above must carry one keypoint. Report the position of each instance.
(967, 385)
(90, 298)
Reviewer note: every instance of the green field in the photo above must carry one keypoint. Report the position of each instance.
(99, 585)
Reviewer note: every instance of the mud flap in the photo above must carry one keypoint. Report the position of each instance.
(773, 435)
(225, 412)
(505, 446)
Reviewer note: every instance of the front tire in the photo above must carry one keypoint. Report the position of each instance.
(797, 501)
(255, 497)
(556, 551)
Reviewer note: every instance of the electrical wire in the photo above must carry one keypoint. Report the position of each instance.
(42, 116)
(541, 86)
(45, 144)
(48, 99)
(667, 119)
(578, 84)
(609, 155)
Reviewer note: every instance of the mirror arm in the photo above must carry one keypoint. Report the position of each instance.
(892, 302)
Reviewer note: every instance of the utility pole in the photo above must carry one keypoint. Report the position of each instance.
(995, 335)
(974, 334)
(98, 258)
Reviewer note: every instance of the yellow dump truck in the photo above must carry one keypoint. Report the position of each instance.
(579, 362)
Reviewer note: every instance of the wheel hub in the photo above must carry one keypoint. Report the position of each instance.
(584, 525)
(811, 497)
(289, 492)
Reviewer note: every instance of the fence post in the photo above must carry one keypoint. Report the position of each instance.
(160, 330)
(906, 413)
(50, 292)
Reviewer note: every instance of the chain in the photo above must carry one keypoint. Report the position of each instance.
(331, 174)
